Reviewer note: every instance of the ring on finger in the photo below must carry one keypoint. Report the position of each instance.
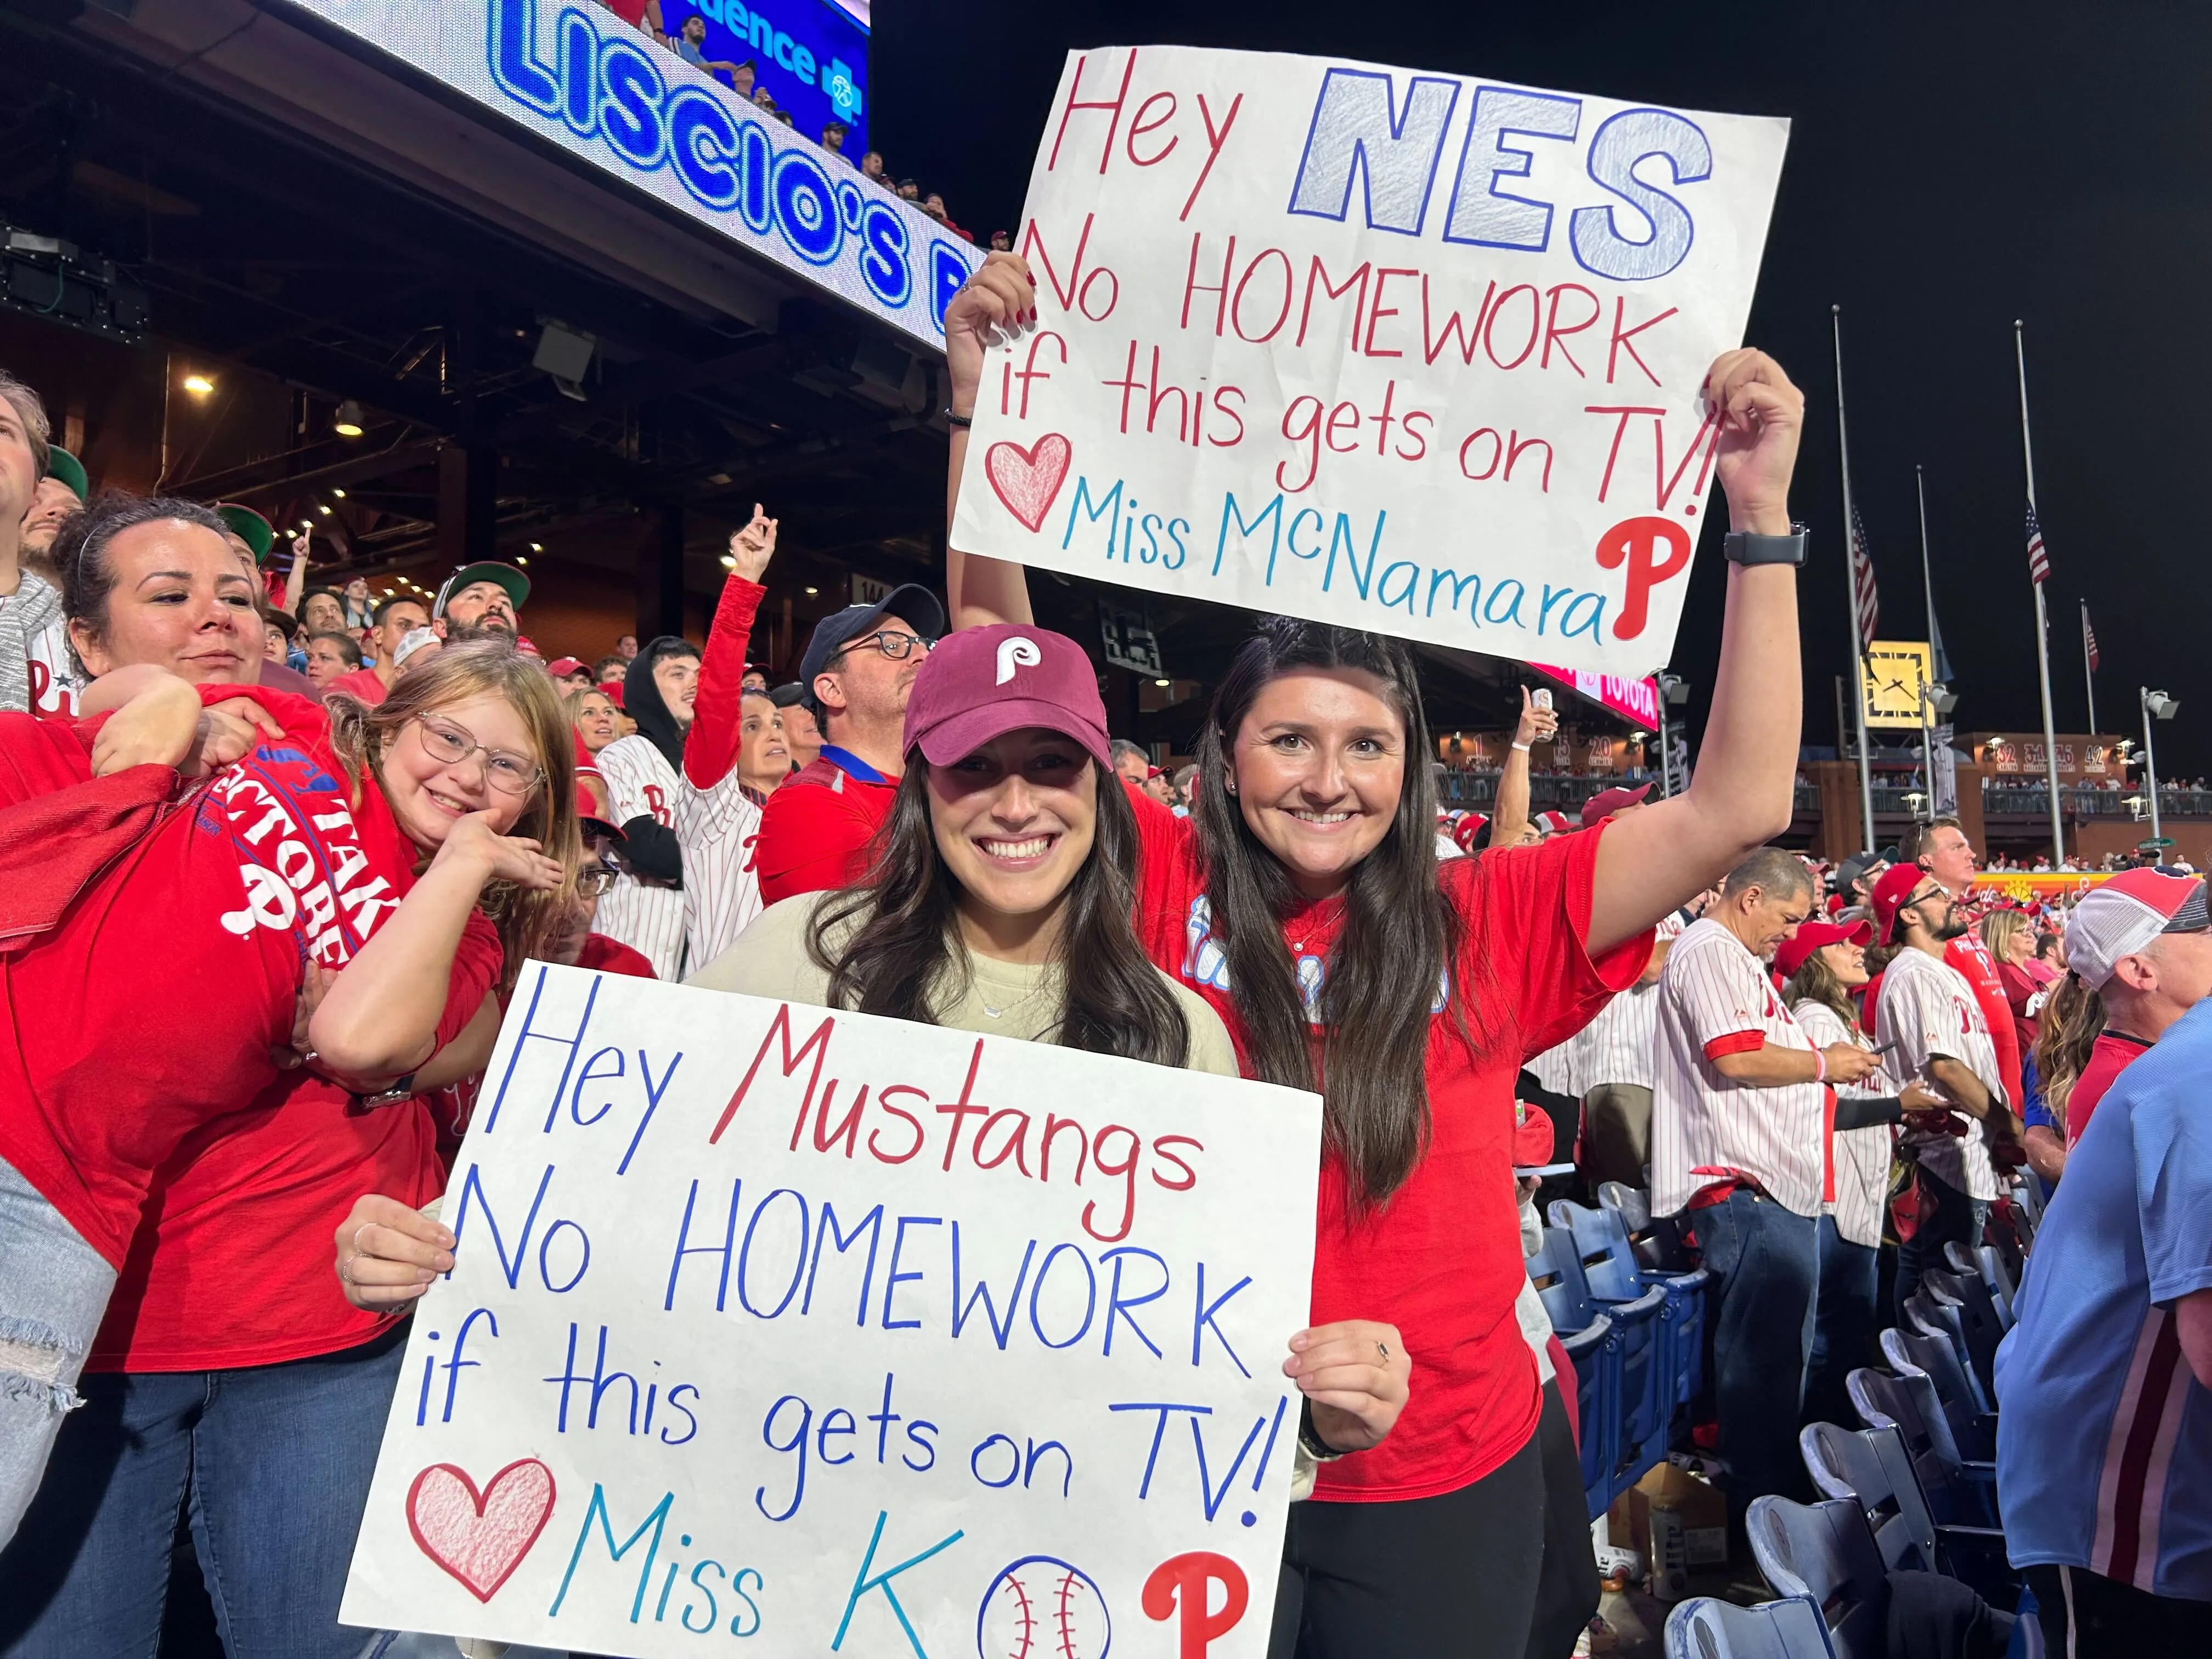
(1384, 1348)
(344, 1276)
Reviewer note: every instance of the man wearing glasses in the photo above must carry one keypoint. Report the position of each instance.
(857, 671)
(576, 944)
(1930, 1012)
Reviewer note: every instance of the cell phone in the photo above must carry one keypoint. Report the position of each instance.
(1540, 698)
(1541, 1171)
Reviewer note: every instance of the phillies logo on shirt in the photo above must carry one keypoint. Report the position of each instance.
(301, 856)
(656, 802)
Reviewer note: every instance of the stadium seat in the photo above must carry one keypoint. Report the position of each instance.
(1617, 1275)
(1592, 1243)
(1657, 1240)
(1972, 1430)
(1946, 1322)
(1703, 1628)
(1824, 1554)
(1977, 1321)
(1956, 1491)
(1986, 1262)
(1872, 1467)
(1593, 1347)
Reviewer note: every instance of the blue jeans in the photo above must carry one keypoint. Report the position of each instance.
(1946, 1216)
(1765, 1260)
(273, 1464)
(1843, 1324)
(53, 1290)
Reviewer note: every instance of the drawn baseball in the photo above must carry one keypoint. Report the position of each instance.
(1042, 1607)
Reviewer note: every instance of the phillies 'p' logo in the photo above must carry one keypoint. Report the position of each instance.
(1182, 1585)
(1637, 543)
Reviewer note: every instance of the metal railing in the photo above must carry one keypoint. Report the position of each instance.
(1549, 794)
(2079, 802)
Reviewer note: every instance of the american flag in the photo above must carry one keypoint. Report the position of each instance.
(2089, 638)
(2039, 561)
(1869, 605)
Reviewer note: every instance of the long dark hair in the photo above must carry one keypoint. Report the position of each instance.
(1815, 982)
(1395, 950)
(907, 953)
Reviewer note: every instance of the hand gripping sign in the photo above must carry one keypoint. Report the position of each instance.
(867, 1338)
(1405, 352)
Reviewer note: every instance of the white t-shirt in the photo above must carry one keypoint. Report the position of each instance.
(1862, 1156)
(1714, 998)
(1929, 1009)
(638, 911)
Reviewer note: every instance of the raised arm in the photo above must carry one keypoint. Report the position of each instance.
(997, 303)
(1509, 815)
(380, 1017)
(710, 748)
(1652, 860)
(295, 582)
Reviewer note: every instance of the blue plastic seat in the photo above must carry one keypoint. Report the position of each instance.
(1593, 1345)
(1872, 1468)
(1824, 1554)
(1946, 1320)
(1977, 1321)
(1703, 1628)
(1657, 1240)
(1957, 1491)
(1974, 1431)
(1619, 1282)
(1987, 1263)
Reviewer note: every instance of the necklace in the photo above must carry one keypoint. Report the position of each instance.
(1000, 1013)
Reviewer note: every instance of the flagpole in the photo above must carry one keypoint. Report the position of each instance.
(1936, 669)
(2088, 669)
(2042, 616)
(1852, 597)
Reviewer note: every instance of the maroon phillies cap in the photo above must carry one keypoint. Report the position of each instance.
(1790, 956)
(982, 683)
(1604, 804)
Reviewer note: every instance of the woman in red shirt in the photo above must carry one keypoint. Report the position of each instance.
(1310, 911)
(145, 1127)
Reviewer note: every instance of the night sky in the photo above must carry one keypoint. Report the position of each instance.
(1951, 167)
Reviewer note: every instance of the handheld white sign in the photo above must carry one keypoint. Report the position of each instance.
(864, 1336)
(1407, 352)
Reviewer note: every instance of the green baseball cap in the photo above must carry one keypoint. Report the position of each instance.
(249, 526)
(60, 464)
(506, 576)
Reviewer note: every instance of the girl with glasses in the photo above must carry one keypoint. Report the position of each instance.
(348, 893)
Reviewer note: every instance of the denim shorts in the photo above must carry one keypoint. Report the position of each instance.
(53, 1291)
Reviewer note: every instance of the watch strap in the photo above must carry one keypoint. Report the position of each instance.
(1743, 547)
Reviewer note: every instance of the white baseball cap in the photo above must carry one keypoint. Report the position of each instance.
(2121, 916)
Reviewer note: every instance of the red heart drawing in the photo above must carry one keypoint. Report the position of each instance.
(480, 1537)
(1026, 480)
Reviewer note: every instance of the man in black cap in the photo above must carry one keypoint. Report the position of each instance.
(481, 601)
(858, 669)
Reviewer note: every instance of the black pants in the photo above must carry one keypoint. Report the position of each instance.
(1567, 1586)
(1453, 1577)
(2086, 1617)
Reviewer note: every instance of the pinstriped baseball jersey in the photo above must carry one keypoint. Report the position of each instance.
(1928, 1009)
(1714, 998)
(1621, 1044)
(645, 915)
(717, 828)
(1862, 1156)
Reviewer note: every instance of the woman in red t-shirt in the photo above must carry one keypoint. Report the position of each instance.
(1311, 910)
(145, 1127)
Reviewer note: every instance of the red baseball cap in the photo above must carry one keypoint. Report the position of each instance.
(561, 667)
(588, 818)
(1554, 824)
(982, 683)
(1468, 828)
(1891, 894)
(1534, 1141)
(1790, 956)
(2120, 918)
(1604, 804)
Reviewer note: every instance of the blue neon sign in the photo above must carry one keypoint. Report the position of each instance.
(813, 58)
(575, 73)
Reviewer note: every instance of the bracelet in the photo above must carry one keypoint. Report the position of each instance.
(1309, 1438)
(1819, 1067)
(964, 422)
(1521, 748)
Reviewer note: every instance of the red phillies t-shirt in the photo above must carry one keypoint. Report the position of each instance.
(361, 682)
(815, 830)
(2111, 1054)
(1441, 1260)
(1972, 957)
(193, 943)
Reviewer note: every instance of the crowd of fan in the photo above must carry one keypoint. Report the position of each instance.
(222, 1158)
